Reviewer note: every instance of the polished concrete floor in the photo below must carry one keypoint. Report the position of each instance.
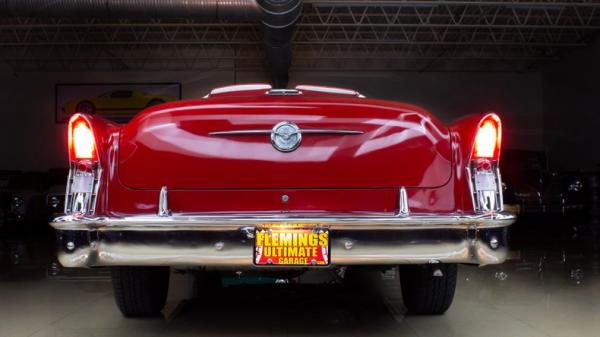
(550, 287)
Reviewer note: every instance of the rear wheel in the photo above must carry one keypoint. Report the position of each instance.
(428, 289)
(140, 291)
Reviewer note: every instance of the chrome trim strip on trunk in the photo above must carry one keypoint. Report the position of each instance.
(183, 222)
(241, 132)
(331, 131)
(269, 131)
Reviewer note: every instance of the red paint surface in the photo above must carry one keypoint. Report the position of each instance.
(168, 145)
(400, 146)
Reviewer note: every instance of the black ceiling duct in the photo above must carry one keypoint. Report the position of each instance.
(278, 18)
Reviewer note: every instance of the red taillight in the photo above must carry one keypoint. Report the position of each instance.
(82, 144)
(488, 138)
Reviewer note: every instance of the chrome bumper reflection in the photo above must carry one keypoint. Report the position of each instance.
(227, 241)
(230, 222)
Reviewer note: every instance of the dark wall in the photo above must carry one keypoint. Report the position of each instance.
(30, 139)
(571, 91)
(516, 97)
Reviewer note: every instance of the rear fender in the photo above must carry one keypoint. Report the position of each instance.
(463, 134)
(106, 134)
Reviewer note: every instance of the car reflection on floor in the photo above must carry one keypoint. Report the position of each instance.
(550, 287)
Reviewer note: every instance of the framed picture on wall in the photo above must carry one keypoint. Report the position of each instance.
(118, 102)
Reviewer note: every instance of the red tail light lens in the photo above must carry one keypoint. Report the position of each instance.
(488, 139)
(82, 143)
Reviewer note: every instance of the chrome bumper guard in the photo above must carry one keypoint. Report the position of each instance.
(227, 240)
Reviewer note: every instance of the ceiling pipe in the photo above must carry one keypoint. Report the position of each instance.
(278, 18)
(278, 31)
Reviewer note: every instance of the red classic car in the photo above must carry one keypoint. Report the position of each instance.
(273, 180)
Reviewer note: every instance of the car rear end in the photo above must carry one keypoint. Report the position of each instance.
(276, 180)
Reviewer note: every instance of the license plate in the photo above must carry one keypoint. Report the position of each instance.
(291, 245)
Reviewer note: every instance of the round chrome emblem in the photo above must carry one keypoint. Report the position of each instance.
(286, 136)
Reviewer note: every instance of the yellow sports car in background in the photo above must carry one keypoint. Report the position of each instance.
(117, 104)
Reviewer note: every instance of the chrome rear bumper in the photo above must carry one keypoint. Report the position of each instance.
(227, 240)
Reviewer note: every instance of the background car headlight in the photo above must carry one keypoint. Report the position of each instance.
(17, 206)
(54, 202)
(17, 202)
(575, 186)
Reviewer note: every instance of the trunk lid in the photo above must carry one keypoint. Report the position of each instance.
(391, 145)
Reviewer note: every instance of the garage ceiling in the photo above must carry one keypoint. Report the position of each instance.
(330, 35)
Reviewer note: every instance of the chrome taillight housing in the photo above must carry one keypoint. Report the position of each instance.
(483, 169)
(84, 173)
